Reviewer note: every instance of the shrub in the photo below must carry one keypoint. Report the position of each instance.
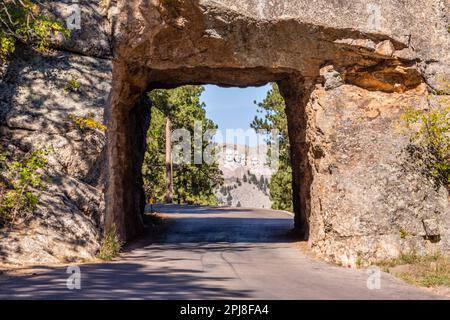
(22, 179)
(87, 122)
(24, 21)
(432, 136)
(111, 246)
(72, 85)
(403, 233)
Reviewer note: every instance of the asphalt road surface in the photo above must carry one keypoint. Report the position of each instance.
(211, 253)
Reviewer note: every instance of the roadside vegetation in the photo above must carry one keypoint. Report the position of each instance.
(430, 143)
(111, 246)
(424, 271)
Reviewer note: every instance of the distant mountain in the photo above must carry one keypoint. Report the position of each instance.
(247, 174)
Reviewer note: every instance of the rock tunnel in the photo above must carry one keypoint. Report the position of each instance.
(345, 84)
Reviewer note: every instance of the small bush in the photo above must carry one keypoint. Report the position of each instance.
(111, 246)
(403, 233)
(432, 136)
(73, 85)
(22, 178)
(87, 122)
(25, 21)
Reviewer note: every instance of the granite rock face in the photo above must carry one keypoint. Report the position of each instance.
(370, 198)
(37, 109)
(347, 70)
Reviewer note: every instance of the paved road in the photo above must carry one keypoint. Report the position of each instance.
(210, 253)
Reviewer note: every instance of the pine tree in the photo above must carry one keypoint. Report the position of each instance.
(229, 199)
(192, 183)
(261, 183)
(273, 116)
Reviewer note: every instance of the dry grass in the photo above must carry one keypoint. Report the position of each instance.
(424, 271)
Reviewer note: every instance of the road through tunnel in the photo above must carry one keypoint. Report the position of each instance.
(344, 89)
(134, 124)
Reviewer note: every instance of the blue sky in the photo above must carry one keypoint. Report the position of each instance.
(232, 108)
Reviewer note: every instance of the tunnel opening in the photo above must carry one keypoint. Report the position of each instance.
(344, 89)
(126, 198)
(225, 146)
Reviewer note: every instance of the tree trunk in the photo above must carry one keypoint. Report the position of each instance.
(169, 173)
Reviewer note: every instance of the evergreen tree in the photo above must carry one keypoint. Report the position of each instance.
(229, 199)
(272, 116)
(261, 183)
(192, 183)
(253, 179)
(280, 190)
(223, 190)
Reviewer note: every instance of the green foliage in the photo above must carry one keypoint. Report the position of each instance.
(432, 135)
(87, 122)
(72, 85)
(252, 178)
(280, 187)
(110, 246)
(403, 233)
(273, 117)
(261, 183)
(193, 183)
(22, 178)
(43, 27)
(23, 20)
(7, 45)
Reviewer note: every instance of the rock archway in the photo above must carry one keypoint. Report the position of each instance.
(345, 81)
(127, 142)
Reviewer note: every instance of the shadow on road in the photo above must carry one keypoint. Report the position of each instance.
(124, 280)
(171, 265)
(196, 224)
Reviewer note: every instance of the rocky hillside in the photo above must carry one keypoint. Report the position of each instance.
(45, 101)
(246, 176)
